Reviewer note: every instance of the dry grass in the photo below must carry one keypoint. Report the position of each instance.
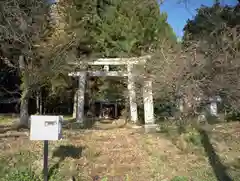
(7, 119)
(121, 152)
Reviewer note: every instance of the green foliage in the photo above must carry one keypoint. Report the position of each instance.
(6, 119)
(31, 35)
(23, 24)
(109, 89)
(104, 179)
(118, 28)
(209, 21)
(19, 166)
(164, 108)
(21, 174)
(25, 173)
(180, 178)
(193, 137)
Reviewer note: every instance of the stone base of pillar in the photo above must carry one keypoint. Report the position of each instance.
(136, 123)
(76, 126)
(136, 126)
(80, 121)
(150, 128)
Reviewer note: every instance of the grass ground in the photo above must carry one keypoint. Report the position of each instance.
(127, 154)
(6, 119)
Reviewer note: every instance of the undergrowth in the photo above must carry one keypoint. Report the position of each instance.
(18, 167)
(185, 138)
(21, 174)
(180, 178)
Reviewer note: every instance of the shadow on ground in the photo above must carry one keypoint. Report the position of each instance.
(62, 152)
(219, 169)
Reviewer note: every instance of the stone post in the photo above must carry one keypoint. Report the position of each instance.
(150, 125)
(213, 107)
(132, 95)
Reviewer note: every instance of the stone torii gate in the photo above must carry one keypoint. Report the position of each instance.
(129, 62)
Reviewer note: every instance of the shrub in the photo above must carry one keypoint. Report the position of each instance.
(21, 174)
(194, 138)
(180, 178)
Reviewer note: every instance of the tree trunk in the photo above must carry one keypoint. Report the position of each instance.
(39, 102)
(24, 116)
(75, 105)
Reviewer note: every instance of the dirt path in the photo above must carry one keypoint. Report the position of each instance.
(121, 152)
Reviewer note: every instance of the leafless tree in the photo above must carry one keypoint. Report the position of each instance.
(199, 71)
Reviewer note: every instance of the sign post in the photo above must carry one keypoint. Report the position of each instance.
(46, 128)
(45, 160)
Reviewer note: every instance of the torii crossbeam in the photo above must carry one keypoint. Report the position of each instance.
(106, 62)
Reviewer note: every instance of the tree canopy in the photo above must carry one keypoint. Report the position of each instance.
(209, 21)
(25, 31)
(111, 28)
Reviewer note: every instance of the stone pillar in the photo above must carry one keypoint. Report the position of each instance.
(132, 95)
(181, 105)
(150, 125)
(75, 105)
(80, 97)
(213, 107)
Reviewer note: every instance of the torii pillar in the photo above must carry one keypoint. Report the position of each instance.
(80, 96)
(132, 94)
(147, 88)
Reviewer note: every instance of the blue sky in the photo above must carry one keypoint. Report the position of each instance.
(179, 12)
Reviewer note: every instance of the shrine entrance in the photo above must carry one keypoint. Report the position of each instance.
(128, 63)
(104, 109)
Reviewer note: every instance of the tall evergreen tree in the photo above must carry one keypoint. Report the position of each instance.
(118, 28)
(111, 28)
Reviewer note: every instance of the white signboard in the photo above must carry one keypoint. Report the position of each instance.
(46, 127)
